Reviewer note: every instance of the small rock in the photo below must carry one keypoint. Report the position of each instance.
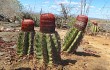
(2, 53)
(80, 49)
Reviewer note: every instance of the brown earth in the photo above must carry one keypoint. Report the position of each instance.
(92, 54)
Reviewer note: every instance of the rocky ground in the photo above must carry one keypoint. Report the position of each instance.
(92, 54)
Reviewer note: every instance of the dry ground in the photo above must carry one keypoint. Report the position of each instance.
(92, 54)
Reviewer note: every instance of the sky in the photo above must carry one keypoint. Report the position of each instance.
(97, 8)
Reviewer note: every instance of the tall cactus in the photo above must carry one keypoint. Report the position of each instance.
(26, 38)
(49, 40)
(75, 35)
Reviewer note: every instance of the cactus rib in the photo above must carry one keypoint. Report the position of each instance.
(44, 49)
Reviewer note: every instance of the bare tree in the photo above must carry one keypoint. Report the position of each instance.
(65, 11)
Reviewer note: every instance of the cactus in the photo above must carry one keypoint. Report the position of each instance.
(74, 35)
(26, 37)
(94, 29)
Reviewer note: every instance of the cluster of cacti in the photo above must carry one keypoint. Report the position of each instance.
(75, 35)
(44, 44)
(47, 48)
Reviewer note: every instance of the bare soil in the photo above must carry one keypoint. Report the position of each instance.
(92, 54)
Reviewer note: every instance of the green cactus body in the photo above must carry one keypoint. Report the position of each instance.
(38, 48)
(94, 29)
(44, 49)
(75, 43)
(55, 52)
(25, 43)
(48, 46)
(72, 34)
(72, 40)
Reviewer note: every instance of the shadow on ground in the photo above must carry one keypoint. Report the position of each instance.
(23, 68)
(67, 61)
(86, 54)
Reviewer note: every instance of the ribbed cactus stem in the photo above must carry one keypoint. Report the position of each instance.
(71, 39)
(44, 49)
(49, 47)
(75, 43)
(53, 48)
(38, 48)
(54, 53)
(58, 47)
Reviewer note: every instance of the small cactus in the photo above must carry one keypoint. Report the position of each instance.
(94, 28)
